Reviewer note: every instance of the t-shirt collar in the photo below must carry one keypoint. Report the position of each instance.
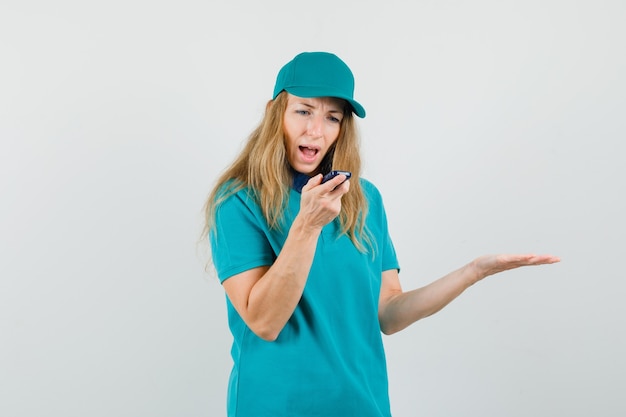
(299, 180)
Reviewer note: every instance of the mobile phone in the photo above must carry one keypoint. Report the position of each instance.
(334, 173)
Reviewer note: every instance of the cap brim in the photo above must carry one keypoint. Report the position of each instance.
(308, 92)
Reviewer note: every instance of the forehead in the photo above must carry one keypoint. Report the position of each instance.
(333, 102)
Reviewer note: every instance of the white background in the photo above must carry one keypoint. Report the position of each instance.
(493, 126)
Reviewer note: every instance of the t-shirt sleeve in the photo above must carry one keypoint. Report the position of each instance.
(239, 241)
(379, 226)
(389, 257)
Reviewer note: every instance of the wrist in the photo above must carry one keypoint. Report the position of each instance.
(474, 272)
(304, 229)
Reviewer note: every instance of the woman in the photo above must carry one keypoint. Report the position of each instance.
(309, 269)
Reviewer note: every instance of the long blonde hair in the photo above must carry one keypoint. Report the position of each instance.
(262, 166)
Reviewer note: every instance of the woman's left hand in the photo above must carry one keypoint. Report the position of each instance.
(492, 264)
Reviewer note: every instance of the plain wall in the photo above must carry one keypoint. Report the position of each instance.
(492, 126)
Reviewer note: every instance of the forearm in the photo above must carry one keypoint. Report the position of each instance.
(398, 309)
(274, 297)
(401, 309)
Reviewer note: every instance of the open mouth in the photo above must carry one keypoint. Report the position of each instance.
(308, 152)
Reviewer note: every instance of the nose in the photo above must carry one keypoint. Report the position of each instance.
(315, 126)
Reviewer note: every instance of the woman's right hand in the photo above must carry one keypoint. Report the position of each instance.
(321, 203)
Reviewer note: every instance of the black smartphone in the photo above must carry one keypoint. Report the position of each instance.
(334, 173)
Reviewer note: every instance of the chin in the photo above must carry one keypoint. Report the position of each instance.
(306, 169)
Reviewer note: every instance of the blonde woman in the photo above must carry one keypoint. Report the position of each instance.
(309, 268)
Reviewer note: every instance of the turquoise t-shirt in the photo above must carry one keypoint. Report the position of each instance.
(328, 360)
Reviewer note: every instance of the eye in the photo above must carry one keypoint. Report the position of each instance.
(302, 112)
(334, 119)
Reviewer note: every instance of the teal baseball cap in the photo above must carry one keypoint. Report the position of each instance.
(318, 74)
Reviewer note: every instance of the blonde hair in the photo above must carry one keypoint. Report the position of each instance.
(262, 166)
